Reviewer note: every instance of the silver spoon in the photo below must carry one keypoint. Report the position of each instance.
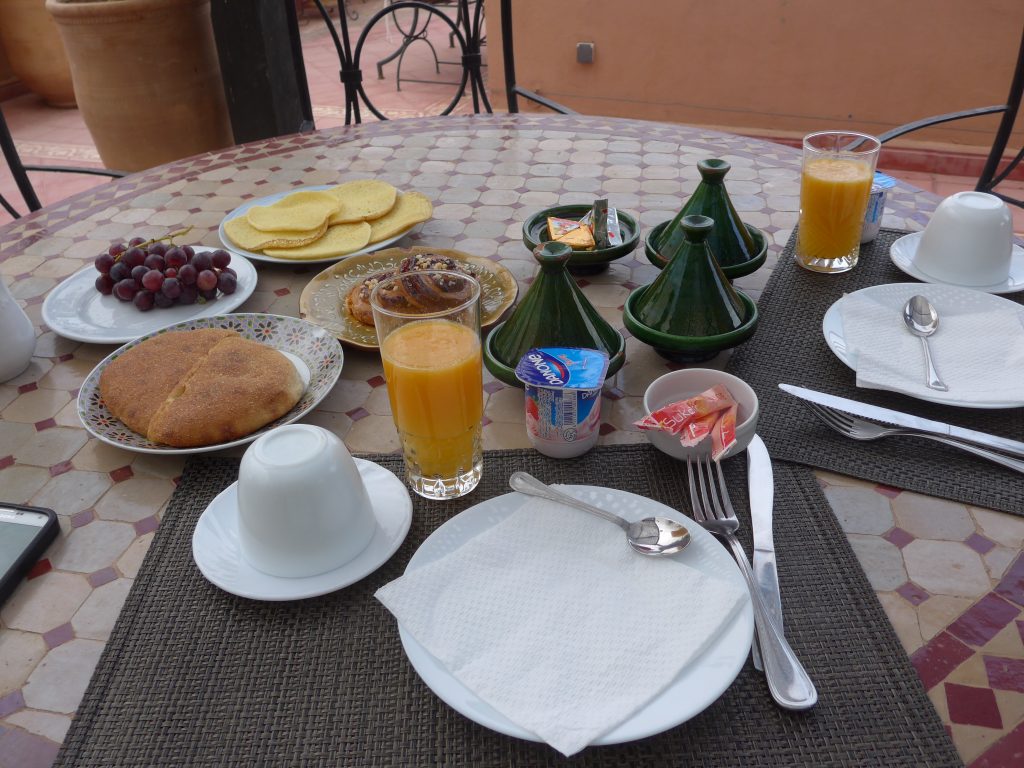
(922, 320)
(650, 536)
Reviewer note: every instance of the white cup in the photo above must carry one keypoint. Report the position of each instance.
(968, 241)
(302, 506)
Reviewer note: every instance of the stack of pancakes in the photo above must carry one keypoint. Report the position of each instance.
(334, 222)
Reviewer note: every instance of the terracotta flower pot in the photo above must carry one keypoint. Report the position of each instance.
(33, 47)
(147, 78)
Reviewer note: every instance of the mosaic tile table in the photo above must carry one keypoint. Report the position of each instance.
(950, 577)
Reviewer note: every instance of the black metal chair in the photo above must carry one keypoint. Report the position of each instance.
(991, 175)
(466, 30)
(19, 172)
(512, 90)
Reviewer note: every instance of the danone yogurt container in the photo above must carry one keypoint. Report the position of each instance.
(563, 398)
(876, 206)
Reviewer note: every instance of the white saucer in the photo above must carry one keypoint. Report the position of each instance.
(939, 294)
(903, 251)
(216, 551)
(699, 684)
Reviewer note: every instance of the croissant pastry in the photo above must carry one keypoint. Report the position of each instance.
(417, 292)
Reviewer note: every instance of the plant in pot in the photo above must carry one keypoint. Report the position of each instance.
(146, 76)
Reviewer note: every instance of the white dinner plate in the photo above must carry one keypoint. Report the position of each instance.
(903, 251)
(216, 550)
(697, 686)
(76, 310)
(314, 352)
(269, 199)
(938, 294)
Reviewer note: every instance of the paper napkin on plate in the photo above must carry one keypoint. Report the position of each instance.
(978, 348)
(551, 619)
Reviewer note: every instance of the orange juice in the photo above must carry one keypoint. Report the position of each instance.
(435, 386)
(833, 199)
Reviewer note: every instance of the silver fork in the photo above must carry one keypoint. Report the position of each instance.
(857, 428)
(788, 681)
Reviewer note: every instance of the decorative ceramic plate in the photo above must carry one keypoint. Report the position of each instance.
(695, 688)
(216, 550)
(76, 310)
(323, 299)
(256, 255)
(313, 351)
(903, 251)
(941, 295)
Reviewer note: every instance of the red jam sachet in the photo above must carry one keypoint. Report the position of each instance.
(673, 417)
(723, 435)
(712, 412)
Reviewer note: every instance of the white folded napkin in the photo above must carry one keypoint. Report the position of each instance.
(977, 350)
(551, 619)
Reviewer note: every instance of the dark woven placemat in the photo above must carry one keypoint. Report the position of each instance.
(194, 676)
(788, 347)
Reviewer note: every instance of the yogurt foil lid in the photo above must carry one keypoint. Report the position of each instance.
(881, 181)
(563, 367)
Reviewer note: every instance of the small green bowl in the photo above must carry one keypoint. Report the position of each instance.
(688, 349)
(736, 270)
(535, 232)
(507, 373)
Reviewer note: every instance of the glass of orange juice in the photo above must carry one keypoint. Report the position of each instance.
(428, 327)
(835, 184)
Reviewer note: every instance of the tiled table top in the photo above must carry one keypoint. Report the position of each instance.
(950, 577)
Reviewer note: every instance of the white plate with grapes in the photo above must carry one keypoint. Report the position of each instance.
(109, 304)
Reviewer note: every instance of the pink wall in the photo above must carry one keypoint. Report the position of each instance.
(771, 67)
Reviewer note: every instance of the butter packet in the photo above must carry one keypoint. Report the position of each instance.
(604, 222)
(599, 214)
(559, 228)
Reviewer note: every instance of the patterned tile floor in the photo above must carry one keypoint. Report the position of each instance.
(950, 577)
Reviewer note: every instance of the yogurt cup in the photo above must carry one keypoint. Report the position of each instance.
(876, 207)
(563, 398)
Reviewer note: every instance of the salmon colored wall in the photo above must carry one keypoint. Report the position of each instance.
(6, 75)
(771, 67)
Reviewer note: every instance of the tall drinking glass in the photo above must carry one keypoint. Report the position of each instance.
(428, 327)
(835, 184)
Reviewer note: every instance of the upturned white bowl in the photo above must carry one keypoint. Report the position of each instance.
(687, 382)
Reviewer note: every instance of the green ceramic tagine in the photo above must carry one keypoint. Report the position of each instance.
(554, 313)
(690, 312)
(730, 240)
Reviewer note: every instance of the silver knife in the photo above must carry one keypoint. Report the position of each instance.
(761, 494)
(875, 413)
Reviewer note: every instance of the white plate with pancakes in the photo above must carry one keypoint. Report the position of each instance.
(76, 310)
(316, 355)
(243, 210)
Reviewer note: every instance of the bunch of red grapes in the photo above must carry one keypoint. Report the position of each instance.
(151, 273)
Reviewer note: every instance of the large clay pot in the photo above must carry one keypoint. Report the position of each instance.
(147, 78)
(33, 47)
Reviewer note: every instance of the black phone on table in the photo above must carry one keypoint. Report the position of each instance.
(25, 533)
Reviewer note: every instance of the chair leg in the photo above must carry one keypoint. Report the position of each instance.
(9, 208)
(10, 152)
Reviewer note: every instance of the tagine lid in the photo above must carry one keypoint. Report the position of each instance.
(730, 239)
(692, 296)
(553, 313)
